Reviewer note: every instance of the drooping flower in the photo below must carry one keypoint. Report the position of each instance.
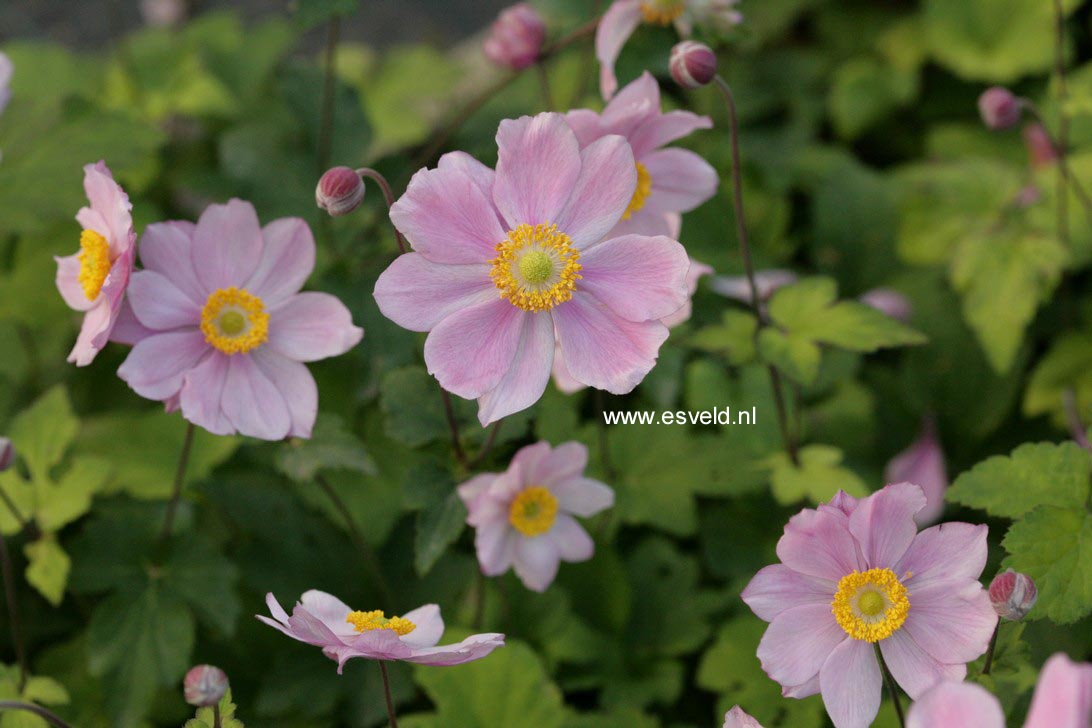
(855, 574)
(516, 37)
(738, 718)
(95, 279)
(623, 17)
(922, 464)
(229, 331)
(507, 263)
(7, 70)
(999, 108)
(1063, 699)
(524, 517)
(323, 620)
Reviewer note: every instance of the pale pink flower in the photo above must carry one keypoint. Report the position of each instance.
(95, 279)
(737, 718)
(889, 302)
(922, 464)
(516, 37)
(323, 620)
(524, 517)
(7, 70)
(228, 329)
(856, 573)
(739, 287)
(1041, 149)
(1063, 699)
(507, 263)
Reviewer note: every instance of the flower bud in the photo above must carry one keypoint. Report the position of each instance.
(999, 108)
(1041, 151)
(204, 685)
(889, 302)
(692, 64)
(339, 191)
(1013, 595)
(7, 454)
(516, 37)
(738, 718)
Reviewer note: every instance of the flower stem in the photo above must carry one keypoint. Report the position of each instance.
(179, 479)
(1059, 149)
(1063, 124)
(988, 664)
(388, 196)
(326, 128)
(487, 445)
(391, 717)
(749, 266)
(13, 612)
(47, 715)
(216, 721)
(892, 688)
(453, 427)
(1073, 418)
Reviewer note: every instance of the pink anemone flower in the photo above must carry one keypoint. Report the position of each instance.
(738, 718)
(323, 620)
(856, 575)
(923, 463)
(94, 280)
(228, 331)
(524, 516)
(507, 263)
(7, 70)
(1063, 699)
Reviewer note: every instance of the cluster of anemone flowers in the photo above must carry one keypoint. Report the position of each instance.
(561, 262)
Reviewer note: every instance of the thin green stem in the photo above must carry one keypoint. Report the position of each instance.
(892, 688)
(388, 196)
(13, 613)
(453, 428)
(490, 439)
(326, 125)
(179, 480)
(47, 715)
(391, 717)
(1073, 419)
(1063, 124)
(1071, 180)
(988, 664)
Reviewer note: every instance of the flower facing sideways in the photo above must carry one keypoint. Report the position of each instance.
(856, 575)
(94, 280)
(227, 329)
(323, 620)
(524, 516)
(506, 263)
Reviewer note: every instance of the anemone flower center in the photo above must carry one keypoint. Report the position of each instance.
(234, 321)
(366, 621)
(871, 605)
(94, 260)
(640, 195)
(533, 511)
(536, 267)
(662, 12)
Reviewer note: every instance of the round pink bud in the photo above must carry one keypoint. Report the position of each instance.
(7, 454)
(1041, 151)
(999, 108)
(204, 685)
(1013, 595)
(692, 64)
(339, 191)
(516, 37)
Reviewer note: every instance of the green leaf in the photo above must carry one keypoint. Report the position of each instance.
(1053, 546)
(1012, 674)
(734, 337)
(437, 527)
(198, 573)
(818, 477)
(412, 407)
(864, 90)
(70, 497)
(206, 717)
(312, 12)
(793, 355)
(1066, 366)
(622, 718)
(47, 568)
(331, 447)
(1034, 474)
(43, 432)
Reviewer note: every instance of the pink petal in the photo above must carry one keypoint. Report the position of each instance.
(471, 168)
(330, 610)
(447, 217)
(495, 544)
(472, 648)
(159, 304)
(585, 124)
(202, 388)
(417, 294)
(913, 668)
(737, 718)
(166, 248)
(776, 588)
(470, 351)
(563, 378)
(562, 463)
(639, 278)
(156, 365)
(252, 403)
(429, 626)
(663, 129)
(798, 641)
(945, 553)
(697, 270)
(571, 540)
(311, 326)
(883, 523)
(127, 329)
(1063, 697)
(850, 681)
(227, 245)
(922, 464)
(681, 180)
(68, 283)
(109, 200)
(600, 195)
(526, 379)
(647, 221)
(296, 385)
(951, 622)
(275, 608)
(472, 491)
(536, 562)
(94, 333)
(958, 705)
(288, 257)
(819, 544)
(602, 349)
(617, 25)
(637, 104)
(582, 497)
(538, 165)
(374, 644)
(525, 463)
(804, 690)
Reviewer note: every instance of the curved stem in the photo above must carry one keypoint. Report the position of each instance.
(892, 688)
(749, 266)
(453, 427)
(13, 612)
(988, 664)
(24, 524)
(179, 479)
(47, 715)
(487, 445)
(388, 195)
(391, 717)
(1070, 179)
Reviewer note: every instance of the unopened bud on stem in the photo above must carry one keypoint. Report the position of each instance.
(339, 191)
(204, 685)
(693, 64)
(1013, 595)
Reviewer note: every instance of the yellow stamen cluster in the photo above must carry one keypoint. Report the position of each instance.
(234, 321)
(536, 267)
(94, 257)
(365, 621)
(533, 511)
(640, 195)
(871, 605)
(662, 12)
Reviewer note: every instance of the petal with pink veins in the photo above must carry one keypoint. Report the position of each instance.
(776, 588)
(639, 278)
(227, 245)
(958, 705)
(850, 683)
(798, 642)
(536, 562)
(948, 552)
(951, 621)
(252, 402)
(602, 192)
(913, 668)
(526, 379)
(417, 294)
(470, 351)
(288, 257)
(884, 525)
(157, 365)
(311, 326)
(202, 389)
(681, 180)
(295, 383)
(159, 304)
(165, 247)
(538, 165)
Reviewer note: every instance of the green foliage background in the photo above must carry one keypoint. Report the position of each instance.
(865, 165)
